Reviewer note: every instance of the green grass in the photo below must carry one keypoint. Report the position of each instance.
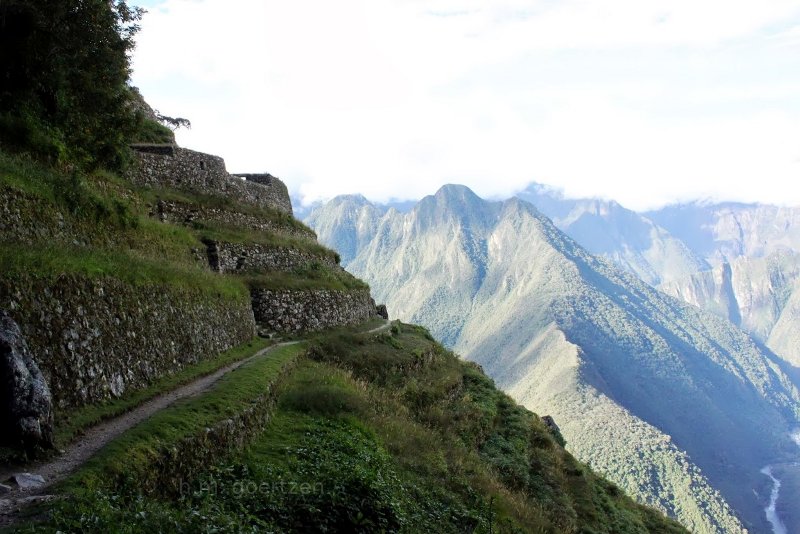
(313, 276)
(380, 432)
(50, 262)
(220, 232)
(140, 449)
(72, 424)
(279, 218)
(25, 174)
(151, 131)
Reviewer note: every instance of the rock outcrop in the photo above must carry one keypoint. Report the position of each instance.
(27, 406)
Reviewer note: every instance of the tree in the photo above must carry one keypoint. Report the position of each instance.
(64, 76)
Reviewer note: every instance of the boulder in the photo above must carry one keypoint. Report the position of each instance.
(381, 310)
(26, 406)
(28, 480)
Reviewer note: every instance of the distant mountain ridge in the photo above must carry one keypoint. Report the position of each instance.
(629, 239)
(692, 251)
(633, 377)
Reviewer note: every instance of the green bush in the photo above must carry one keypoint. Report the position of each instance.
(150, 131)
(65, 79)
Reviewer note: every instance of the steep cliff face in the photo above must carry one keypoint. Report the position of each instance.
(348, 225)
(724, 232)
(757, 294)
(671, 402)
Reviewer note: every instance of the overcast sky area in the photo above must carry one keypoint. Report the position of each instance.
(646, 102)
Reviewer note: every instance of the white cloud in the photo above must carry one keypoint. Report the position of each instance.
(642, 101)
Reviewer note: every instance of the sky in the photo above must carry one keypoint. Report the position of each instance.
(643, 101)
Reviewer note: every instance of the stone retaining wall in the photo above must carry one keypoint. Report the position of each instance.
(310, 309)
(28, 219)
(280, 189)
(180, 462)
(254, 257)
(182, 213)
(204, 173)
(95, 339)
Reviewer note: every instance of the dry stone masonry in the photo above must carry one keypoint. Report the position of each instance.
(254, 257)
(95, 339)
(74, 340)
(311, 309)
(187, 214)
(181, 168)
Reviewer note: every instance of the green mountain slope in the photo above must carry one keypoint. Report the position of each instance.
(371, 432)
(672, 403)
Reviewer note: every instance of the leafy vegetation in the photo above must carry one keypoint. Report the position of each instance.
(115, 236)
(313, 276)
(386, 432)
(64, 92)
(209, 230)
(53, 261)
(151, 131)
(214, 202)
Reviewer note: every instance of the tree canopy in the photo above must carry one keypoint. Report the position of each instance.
(64, 72)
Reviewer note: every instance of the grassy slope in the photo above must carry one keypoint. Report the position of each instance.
(116, 236)
(370, 433)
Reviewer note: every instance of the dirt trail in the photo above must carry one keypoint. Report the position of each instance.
(98, 436)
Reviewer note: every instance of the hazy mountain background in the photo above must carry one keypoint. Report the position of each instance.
(739, 261)
(676, 404)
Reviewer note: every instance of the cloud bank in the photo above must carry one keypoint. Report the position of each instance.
(647, 102)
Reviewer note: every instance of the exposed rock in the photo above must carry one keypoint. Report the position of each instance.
(266, 334)
(5, 489)
(313, 309)
(28, 480)
(551, 425)
(185, 169)
(256, 257)
(95, 339)
(381, 310)
(27, 406)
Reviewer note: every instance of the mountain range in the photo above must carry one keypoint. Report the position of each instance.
(558, 300)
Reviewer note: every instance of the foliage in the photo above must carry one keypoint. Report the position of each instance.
(63, 90)
(313, 276)
(173, 122)
(381, 433)
(112, 216)
(135, 457)
(150, 131)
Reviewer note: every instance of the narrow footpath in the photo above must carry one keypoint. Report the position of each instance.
(95, 438)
